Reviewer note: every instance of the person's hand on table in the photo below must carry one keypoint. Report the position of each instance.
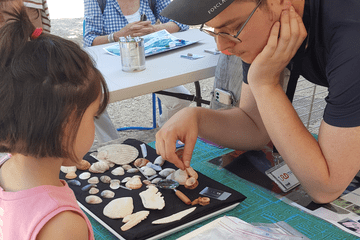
(268, 65)
(182, 126)
(135, 29)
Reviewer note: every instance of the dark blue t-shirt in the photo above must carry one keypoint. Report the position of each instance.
(332, 58)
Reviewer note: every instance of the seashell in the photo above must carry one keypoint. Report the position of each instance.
(204, 201)
(159, 161)
(149, 172)
(136, 176)
(115, 184)
(119, 171)
(134, 219)
(174, 217)
(180, 176)
(153, 166)
(152, 199)
(140, 162)
(125, 180)
(92, 199)
(171, 176)
(191, 172)
(84, 175)
(105, 179)
(119, 208)
(166, 172)
(87, 187)
(94, 180)
(107, 194)
(102, 155)
(134, 183)
(120, 153)
(83, 165)
(66, 169)
(93, 190)
(74, 182)
(99, 167)
(191, 183)
(70, 175)
(132, 170)
(156, 180)
(146, 182)
(126, 167)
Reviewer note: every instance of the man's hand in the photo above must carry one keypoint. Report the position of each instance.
(182, 126)
(268, 65)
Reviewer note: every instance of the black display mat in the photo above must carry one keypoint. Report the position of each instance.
(173, 204)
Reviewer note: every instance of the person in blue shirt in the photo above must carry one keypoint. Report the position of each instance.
(121, 18)
(318, 39)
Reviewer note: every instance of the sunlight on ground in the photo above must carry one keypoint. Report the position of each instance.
(66, 8)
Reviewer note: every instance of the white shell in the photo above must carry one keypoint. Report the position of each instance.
(119, 208)
(174, 217)
(132, 170)
(94, 180)
(166, 172)
(159, 161)
(125, 180)
(93, 190)
(134, 183)
(152, 199)
(156, 180)
(126, 167)
(66, 169)
(107, 194)
(105, 179)
(149, 171)
(180, 176)
(99, 167)
(119, 171)
(92, 199)
(84, 175)
(115, 184)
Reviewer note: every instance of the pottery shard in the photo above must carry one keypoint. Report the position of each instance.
(133, 219)
(134, 183)
(119, 208)
(152, 199)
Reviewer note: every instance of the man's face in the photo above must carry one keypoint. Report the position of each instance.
(255, 34)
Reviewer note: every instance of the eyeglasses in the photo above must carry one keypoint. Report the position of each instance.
(228, 36)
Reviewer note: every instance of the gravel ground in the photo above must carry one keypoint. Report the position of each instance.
(130, 112)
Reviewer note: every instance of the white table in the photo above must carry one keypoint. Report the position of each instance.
(163, 71)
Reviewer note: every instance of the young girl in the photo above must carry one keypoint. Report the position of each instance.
(50, 93)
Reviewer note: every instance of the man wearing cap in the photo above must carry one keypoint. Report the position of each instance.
(317, 39)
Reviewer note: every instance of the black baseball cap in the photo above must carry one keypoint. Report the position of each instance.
(194, 12)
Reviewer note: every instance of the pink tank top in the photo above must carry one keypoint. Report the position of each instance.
(24, 213)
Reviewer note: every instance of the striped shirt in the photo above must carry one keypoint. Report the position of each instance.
(112, 20)
(43, 7)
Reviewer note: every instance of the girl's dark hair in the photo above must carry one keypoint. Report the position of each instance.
(46, 85)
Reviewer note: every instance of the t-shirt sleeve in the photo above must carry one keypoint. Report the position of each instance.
(343, 72)
(246, 67)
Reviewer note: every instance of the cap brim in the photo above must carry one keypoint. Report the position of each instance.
(194, 12)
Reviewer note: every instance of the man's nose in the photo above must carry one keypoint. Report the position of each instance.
(224, 43)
